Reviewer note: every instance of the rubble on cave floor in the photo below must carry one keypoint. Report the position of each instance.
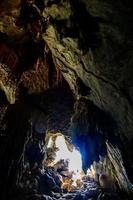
(46, 185)
(58, 175)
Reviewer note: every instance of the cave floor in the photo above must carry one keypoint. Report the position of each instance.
(42, 187)
(38, 185)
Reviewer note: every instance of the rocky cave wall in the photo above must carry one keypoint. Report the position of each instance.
(90, 42)
(99, 54)
(106, 68)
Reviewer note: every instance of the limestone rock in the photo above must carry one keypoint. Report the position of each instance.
(8, 84)
(105, 70)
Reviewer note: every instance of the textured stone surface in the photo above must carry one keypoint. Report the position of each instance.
(8, 83)
(98, 53)
(106, 70)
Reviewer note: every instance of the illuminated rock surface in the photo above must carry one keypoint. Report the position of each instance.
(84, 57)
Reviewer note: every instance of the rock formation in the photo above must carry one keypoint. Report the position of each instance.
(87, 45)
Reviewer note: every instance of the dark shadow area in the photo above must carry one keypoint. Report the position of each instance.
(54, 109)
(16, 122)
(3, 98)
(57, 105)
(91, 128)
(80, 25)
(88, 32)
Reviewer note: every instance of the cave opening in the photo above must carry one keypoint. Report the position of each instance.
(71, 147)
(65, 155)
(66, 95)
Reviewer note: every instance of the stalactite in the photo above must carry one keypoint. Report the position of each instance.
(53, 73)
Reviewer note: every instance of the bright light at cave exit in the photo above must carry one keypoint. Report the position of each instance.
(73, 158)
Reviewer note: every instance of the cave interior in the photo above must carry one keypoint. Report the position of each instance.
(66, 100)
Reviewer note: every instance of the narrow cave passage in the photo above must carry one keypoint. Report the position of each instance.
(65, 148)
(66, 92)
(65, 154)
